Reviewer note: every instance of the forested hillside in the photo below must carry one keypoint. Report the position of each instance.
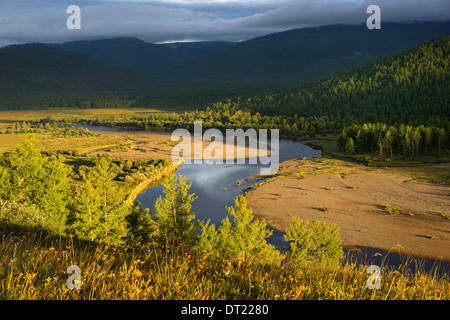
(412, 86)
(396, 106)
(306, 54)
(35, 76)
(36, 67)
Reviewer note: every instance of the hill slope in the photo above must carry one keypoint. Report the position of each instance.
(139, 56)
(33, 67)
(304, 53)
(411, 86)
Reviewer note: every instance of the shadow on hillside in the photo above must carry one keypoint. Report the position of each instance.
(39, 236)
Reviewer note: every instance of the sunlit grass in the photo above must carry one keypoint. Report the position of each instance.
(67, 113)
(50, 142)
(35, 268)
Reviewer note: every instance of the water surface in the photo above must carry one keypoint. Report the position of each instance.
(215, 185)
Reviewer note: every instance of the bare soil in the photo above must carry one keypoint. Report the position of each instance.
(353, 197)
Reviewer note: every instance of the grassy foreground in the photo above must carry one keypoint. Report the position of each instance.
(34, 267)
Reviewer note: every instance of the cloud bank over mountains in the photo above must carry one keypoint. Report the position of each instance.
(22, 21)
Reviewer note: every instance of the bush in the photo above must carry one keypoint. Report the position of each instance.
(244, 239)
(314, 242)
(27, 216)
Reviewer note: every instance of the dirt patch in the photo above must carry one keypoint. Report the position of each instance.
(356, 199)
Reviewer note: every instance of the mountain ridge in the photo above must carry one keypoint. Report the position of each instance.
(285, 55)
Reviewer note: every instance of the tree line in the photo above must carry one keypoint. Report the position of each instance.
(388, 141)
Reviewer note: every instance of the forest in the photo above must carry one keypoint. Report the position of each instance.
(405, 140)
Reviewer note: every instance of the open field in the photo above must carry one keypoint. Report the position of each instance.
(50, 142)
(378, 208)
(64, 113)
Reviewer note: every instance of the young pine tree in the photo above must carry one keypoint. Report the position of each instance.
(173, 214)
(100, 205)
(313, 242)
(28, 177)
(141, 228)
(244, 239)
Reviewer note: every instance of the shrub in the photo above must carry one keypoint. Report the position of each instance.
(26, 216)
(244, 239)
(314, 242)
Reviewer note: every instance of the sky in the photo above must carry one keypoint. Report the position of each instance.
(25, 21)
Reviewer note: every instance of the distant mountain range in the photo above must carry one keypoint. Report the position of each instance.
(298, 53)
(303, 55)
(201, 71)
(137, 55)
(35, 66)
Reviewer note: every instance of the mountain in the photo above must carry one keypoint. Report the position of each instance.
(303, 54)
(39, 67)
(139, 56)
(36, 76)
(195, 50)
(412, 86)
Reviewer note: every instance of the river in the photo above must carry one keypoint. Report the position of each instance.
(215, 185)
(215, 188)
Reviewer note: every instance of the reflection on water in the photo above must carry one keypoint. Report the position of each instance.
(215, 186)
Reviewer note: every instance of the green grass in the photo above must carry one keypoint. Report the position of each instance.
(439, 175)
(34, 267)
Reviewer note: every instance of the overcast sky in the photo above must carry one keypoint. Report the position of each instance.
(23, 21)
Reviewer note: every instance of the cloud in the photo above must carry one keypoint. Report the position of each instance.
(165, 20)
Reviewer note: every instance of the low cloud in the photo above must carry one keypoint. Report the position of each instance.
(158, 21)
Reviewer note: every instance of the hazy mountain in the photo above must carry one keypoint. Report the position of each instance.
(32, 71)
(137, 55)
(309, 53)
(194, 50)
(32, 67)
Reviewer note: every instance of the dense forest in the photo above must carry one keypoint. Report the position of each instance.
(408, 141)
(408, 87)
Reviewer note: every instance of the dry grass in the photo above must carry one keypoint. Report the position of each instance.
(32, 268)
(57, 114)
(50, 142)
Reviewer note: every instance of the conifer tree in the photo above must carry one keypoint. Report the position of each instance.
(100, 205)
(173, 214)
(32, 178)
(314, 242)
(141, 228)
(243, 239)
(350, 146)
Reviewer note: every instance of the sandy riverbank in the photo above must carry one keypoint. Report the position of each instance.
(158, 145)
(352, 197)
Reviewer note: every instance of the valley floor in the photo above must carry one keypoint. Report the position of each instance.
(377, 208)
